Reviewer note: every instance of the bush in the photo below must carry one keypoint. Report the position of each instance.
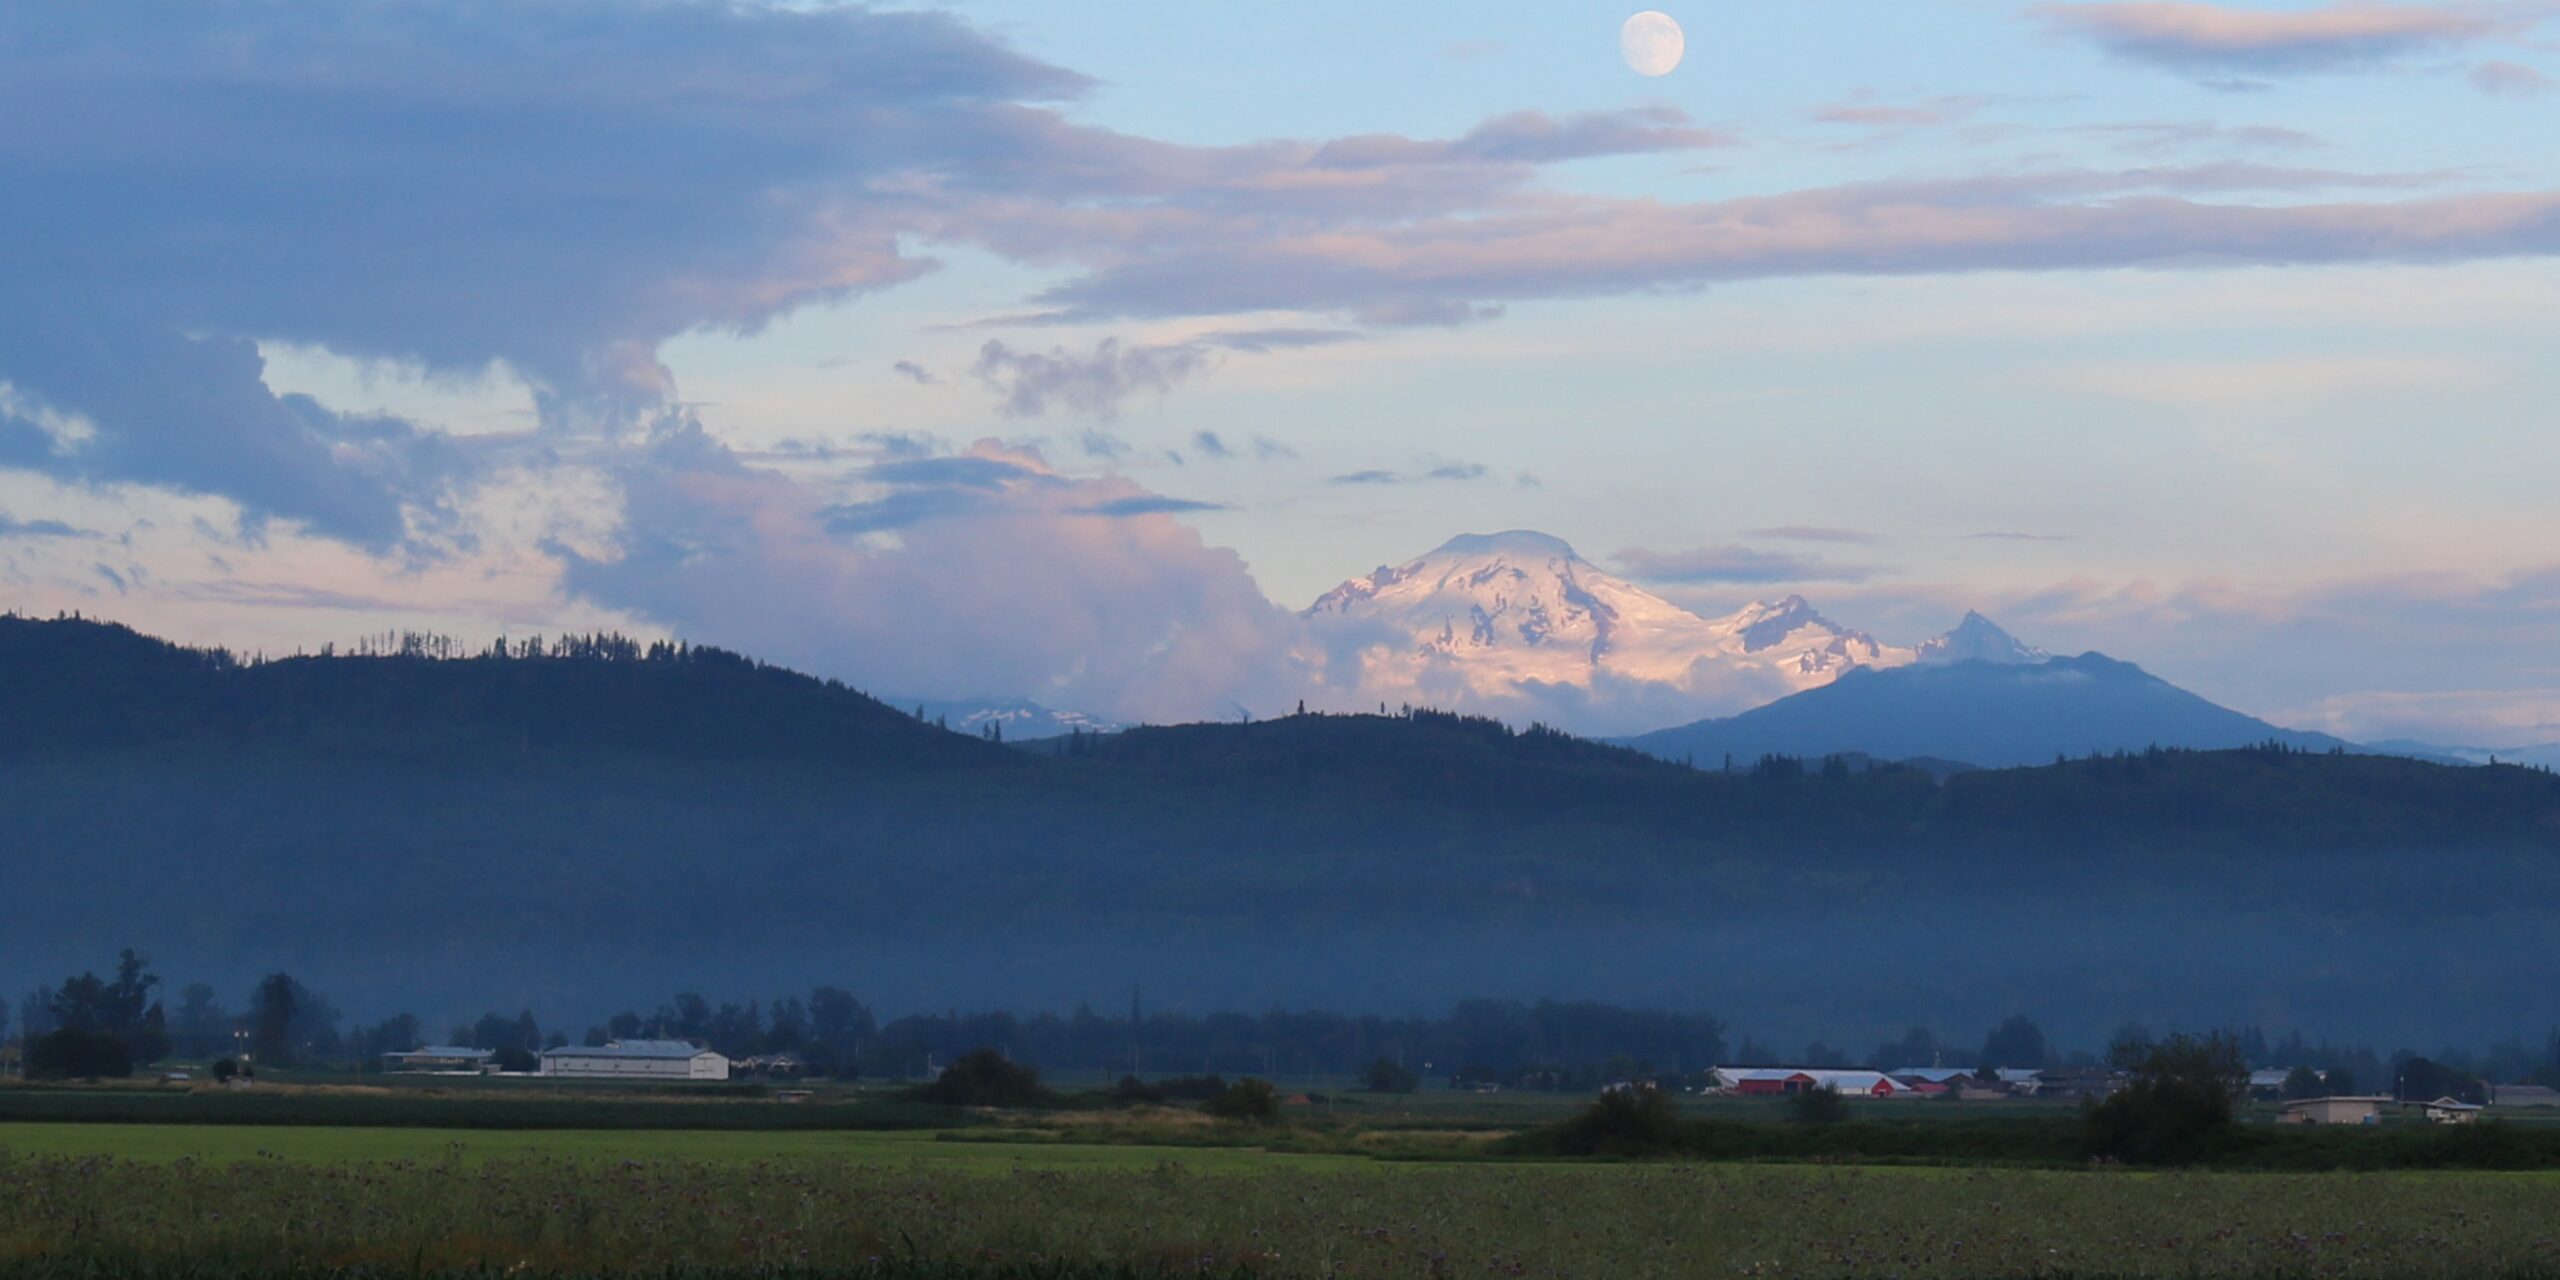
(1817, 1106)
(225, 1071)
(2177, 1107)
(516, 1061)
(1246, 1099)
(71, 1054)
(984, 1078)
(1192, 1088)
(1132, 1089)
(1630, 1121)
(1386, 1075)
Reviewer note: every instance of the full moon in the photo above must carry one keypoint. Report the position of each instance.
(1651, 43)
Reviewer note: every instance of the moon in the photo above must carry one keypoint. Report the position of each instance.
(1651, 43)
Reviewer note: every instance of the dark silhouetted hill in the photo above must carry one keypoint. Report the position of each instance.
(74, 684)
(604, 823)
(1990, 714)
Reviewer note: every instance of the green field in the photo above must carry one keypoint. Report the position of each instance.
(229, 1144)
(616, 1210)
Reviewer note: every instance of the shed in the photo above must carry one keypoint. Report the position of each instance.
(2345, 1110)
(2451, 1111)
(447, 1059)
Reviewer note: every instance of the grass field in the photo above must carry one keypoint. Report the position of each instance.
(630, 1214)
(229, 1144)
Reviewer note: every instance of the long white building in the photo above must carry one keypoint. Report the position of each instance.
(635, 1060)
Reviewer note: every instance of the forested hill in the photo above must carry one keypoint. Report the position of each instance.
(602, 822)
(582, 704)
(75, 684)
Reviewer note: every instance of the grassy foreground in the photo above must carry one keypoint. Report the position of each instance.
(230, 1144)
(557, 1216)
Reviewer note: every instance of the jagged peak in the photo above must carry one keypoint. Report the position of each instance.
(1978, 639)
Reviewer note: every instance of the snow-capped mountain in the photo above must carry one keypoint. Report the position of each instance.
(1518, 623)
(1979, 639)
(1022, 719)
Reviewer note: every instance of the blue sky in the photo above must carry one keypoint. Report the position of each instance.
(2210, 335)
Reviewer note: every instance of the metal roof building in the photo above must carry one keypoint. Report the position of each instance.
(447, 1058)
(635, 1060)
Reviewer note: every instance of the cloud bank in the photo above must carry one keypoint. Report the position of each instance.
(2213, 37)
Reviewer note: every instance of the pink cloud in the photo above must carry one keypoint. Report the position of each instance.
(2188, 35)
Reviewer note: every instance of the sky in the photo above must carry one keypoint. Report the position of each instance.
(991, 348)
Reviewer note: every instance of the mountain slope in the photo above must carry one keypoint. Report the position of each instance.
(1517, 623)
(1991, 714)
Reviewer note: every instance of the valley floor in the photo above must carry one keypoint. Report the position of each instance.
(237, 1201)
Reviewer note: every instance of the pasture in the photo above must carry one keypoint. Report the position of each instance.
(228, 1144)
(606, 1213)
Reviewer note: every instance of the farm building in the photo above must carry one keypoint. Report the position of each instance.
(2524, 1095)
(444, 1058)
(1778, 1081)
(2077, 1082)
(635, 1060)
(2451, 1111)
(2350, 1110)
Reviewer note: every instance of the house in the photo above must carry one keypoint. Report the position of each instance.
(635, 1060)
(442, 1059)
(2524, 1095)
(2346, 1110)
(2450, 1111)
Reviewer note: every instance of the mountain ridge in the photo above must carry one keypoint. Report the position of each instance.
(383, 829)
(1987, 713)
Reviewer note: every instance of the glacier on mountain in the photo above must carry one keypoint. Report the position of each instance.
(1518, 625)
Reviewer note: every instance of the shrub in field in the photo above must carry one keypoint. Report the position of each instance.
(1246, 1099)
(1633, 1121)
(2177, 1106)
(1386, 1075)
(1134, 1090)
(1192, 1088)
(985, 1078)
(1817, 1106)
(225, 1071)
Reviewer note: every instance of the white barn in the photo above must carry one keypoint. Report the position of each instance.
(635, 1060)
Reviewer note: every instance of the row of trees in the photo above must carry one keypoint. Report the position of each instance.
(92, 1024)
(89, 1026)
